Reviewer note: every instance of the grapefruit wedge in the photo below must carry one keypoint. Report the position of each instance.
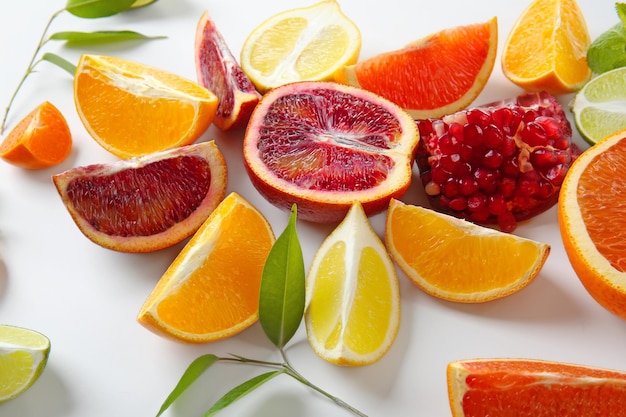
(439, 74)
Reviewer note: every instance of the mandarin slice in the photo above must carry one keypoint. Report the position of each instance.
(40, 140)
(148, 203)
(533, 388)
(436, 75)
(211, 290)
(323, 146)
(353, 302)
(592, 224)
(455, 260)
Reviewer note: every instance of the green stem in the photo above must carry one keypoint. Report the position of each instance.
(31, 66)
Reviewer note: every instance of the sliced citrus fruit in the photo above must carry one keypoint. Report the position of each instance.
(323, 146)
(23, 357)
(148, 203)
(436, 75)
(211, 290)
(219, 72)
(533, 388)
(547, 47)
(592, 224)
(40, 140)
(353, 302)
(132, 109)
(599, 108)
(302, 44)
(430, 247)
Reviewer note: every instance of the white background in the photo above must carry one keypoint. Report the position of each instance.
(85, 298)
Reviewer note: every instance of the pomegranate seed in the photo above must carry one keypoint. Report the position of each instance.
(468, 186)
(458, 204)
(496, 204)
(472, 134)
(450, 188)
(492, 136)
(492, 159)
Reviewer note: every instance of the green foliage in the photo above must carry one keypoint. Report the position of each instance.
(89, 9)
(608, 51)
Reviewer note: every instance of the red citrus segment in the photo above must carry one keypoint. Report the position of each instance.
(218, 71)
(145, 204)
(525, 388)
(324, 145)
(436, 75)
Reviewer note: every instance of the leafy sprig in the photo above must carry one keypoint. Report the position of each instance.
(281, 309)
(608, 51)
(88, 9)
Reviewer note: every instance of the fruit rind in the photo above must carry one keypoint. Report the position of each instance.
(605, 283)
(168, 237)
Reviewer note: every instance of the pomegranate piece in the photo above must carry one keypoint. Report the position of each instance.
(498, 163)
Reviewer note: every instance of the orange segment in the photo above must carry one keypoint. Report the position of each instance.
(592, 223)
(533, 388)
(40, 140)
(211, 290)
(546, 48)
(436, 75)
(431, 247)
(132, 109)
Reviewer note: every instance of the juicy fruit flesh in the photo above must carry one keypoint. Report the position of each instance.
(324, 146)
(135, 205)
(608, 236)
(499, 163)
(363, 333)
(536, 389)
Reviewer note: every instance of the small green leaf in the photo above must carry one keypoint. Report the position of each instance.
(111, 36)
(193, 372)
(60, 62)
(281, 301)
(608, 51)
(621, 12)
(240, 391)
(93, 9)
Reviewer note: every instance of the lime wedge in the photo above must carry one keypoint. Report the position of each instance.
(23, 356)
(600, 106)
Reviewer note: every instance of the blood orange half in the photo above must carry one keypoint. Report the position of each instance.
(436, 75)
(324, 146)
(147, 203)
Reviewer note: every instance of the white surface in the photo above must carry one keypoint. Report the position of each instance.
(85, 298)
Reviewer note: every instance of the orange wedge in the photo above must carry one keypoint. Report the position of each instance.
(132, 109)
(431, 247)
(439, 74)
(211, 290)
(547, 48)
(40, 140)
(592, 223)
(533, 388)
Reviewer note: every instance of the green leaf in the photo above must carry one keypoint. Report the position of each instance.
(60, 62)
(193, 372)
(608, 51)
(111, 36)
(92, 9)
(240, 391)
(281, 301)
(621, 12)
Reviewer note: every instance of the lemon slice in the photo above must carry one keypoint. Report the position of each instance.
(600, 106)
(353, 303)
(303, 44)
(23, 356)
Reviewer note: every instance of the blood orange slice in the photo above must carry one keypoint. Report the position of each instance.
(533, 388)
(436, 75)
(147, 203)
(324, 146)
(218, 71)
